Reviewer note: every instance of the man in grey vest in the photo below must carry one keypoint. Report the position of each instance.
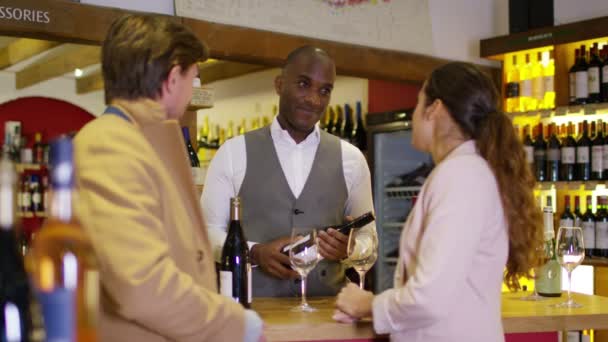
(290, 174)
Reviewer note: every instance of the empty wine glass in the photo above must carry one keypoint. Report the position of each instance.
(304, 256)
(570, 250)
(362, 251)
(535, 270)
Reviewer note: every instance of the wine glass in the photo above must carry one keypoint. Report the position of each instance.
(304, 256)
(362, 251)
(570, 250)
(535, 296)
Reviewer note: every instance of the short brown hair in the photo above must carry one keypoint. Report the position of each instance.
(139, 52)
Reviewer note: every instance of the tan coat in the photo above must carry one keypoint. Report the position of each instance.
(137, 202)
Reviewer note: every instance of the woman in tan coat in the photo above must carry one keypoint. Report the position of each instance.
(474, 215)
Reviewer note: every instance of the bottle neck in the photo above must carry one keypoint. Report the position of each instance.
(61, 205)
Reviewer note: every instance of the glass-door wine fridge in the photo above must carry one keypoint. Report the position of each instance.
(398, 171)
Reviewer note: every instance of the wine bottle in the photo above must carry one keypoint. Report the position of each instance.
(588, 226)
(548, 77)
(578, 216)
(583, 151)
(548, 281)
(568, 156)
(572, 79)
(529, 147)
(343, 228)
(331, 117)
(338, 122)
(15, 315)
(194, 162)
(64, 267)
(538, 86)
(604, 73)
(567, 219)
(553, 155)
(525, 84)
(601, 228)
(540, 155)
(235, 267)
(582, 77)
(594, 76)
(360, 135)
(347, 126)
(512, 87)
(597, 151)
(38, 149)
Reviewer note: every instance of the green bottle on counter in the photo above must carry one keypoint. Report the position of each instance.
(549, 278)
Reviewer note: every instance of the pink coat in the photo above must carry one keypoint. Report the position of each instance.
(453, 250)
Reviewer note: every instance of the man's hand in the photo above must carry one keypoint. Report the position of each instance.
(269, 257)
(333, 244)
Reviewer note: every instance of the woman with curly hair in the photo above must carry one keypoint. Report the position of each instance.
(474, 215)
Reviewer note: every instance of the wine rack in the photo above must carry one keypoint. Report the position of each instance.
(402, 192)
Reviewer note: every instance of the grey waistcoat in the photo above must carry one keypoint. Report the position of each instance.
(270, 209)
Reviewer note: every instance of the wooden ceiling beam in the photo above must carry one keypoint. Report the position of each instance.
(89, 83)
(22, 49)
(221, 70)
(71, 57)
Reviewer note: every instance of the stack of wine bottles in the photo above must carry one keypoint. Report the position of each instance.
(594, 225)
(560, 154)
(588, 76)
(342, 122)
(530, 82)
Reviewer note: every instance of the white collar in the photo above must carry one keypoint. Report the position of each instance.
(281, 135)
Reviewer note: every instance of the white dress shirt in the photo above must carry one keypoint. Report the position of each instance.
(227, 171)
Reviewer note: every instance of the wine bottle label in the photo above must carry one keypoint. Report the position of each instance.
(249, 285)
(540, 155)
(572, 86)
(601, 235)
(605, 157)
(26, 197)
(589, 234)
(578, 222)
(594, 80)
(525, 88)
(549, 84)
(529, 154)
(553, 154)
(538, 91)
(597, 158)
(582, 85)
(36, 198)
(568, 155)
(605, 74)
(226, 283)
(582, 154)
(566, 223)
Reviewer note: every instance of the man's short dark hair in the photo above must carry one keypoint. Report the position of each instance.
(139, 52)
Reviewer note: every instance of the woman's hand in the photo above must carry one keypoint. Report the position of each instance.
(355, 302)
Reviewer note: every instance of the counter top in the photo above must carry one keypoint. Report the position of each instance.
(518, 316)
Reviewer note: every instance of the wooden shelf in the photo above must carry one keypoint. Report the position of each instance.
(587, 109)
(21, 167)
(38, 214)
(574, 185)
(598, 262)
(495, 48)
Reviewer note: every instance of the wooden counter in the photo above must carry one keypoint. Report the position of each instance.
(518, 316)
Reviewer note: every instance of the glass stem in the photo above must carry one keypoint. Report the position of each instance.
(569, 285)
(361, 279)
(304, 303)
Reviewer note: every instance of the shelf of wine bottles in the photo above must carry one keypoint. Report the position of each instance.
(403, 192)
(586, 109)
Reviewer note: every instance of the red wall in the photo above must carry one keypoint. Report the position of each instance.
(50, 116)
(384, 96)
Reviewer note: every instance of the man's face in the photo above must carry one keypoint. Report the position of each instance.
(181, 91)
(304, 89)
